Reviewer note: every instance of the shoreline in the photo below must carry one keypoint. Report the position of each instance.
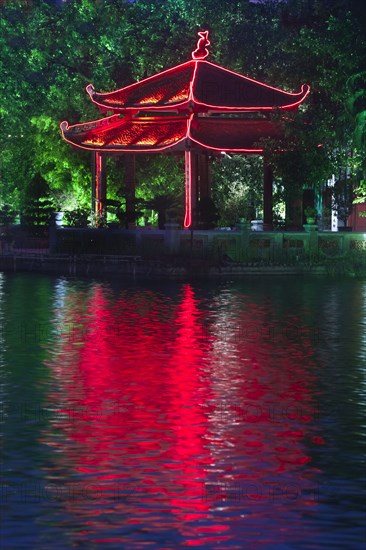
(177, 268)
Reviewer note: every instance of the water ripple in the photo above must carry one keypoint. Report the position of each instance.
(218, 416)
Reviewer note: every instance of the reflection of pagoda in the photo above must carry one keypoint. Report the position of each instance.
(171, 413)
(187, 109)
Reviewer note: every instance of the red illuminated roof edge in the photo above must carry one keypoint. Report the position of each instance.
(251, 79)
(300, 96)
(230, 150)
(64, 126)
(91, 91)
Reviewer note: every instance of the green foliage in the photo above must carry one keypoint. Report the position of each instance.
(50, 53)
(207, 214)
(162, 204)
(324, 45)
(38, 212)
(237, 183)
(37, 204)
(76, 218)
(300, 167)
(7, 214)
(360, 194)
(310, 212)
(356, 105)
(37, 188)
(98, 222)
(159, 175)
(116, 209)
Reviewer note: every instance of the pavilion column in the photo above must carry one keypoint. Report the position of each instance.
(190, 160)
(267, 196)
(130, 181)
(294, 210)
(99, 184)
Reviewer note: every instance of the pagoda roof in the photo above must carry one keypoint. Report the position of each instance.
(185, 107)
(198, 86)
(149, 134)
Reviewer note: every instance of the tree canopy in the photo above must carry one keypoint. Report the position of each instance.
(51, 50)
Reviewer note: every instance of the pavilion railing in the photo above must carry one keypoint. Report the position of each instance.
(215, 246)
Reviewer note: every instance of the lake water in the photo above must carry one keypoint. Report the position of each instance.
(223, 415)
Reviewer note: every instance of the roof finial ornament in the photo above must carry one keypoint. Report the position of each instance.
(203, 42)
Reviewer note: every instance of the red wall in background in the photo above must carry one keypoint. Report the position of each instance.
(357, 222)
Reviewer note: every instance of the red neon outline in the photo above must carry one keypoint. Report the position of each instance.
(305, 90)
(91, 91)
(203, 41)
(64, 126)
(289, 106)
(202, 44)
(252, 79)
(188, 189)
(229, 149)
(193, 106)
(98, 183)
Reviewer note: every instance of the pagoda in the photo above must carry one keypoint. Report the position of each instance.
(197, 108)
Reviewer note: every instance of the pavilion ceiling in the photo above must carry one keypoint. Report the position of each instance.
(118, 134)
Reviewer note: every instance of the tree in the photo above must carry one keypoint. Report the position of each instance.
(322, 44)
(37, 206)
(76, 218)
(237, 182)
(356, 105)
(162, 204)
(7, 214)
(50, 52)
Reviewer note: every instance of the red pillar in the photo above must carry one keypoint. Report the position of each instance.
(190, 188)
(99, 182)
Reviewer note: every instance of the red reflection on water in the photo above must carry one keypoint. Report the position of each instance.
(189, 458)
(169, 413)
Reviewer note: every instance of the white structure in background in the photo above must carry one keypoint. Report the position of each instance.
(257, 225)
(334, 217)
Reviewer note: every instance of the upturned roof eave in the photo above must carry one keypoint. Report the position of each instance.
(81, 136)
(290, 100)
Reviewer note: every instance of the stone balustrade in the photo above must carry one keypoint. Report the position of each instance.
(218, 246)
